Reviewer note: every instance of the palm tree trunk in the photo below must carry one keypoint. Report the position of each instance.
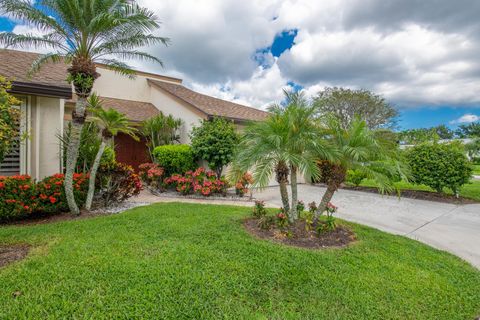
(284, 196)
(293, 184)
(93, 175)
(72, 152)
(327, 197)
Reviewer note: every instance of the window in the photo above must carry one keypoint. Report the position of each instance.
(15, 162)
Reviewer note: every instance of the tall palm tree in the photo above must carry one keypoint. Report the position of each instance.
(110, 122)
(160, 130)
(359, 148)
(82, 33)
(287, 142)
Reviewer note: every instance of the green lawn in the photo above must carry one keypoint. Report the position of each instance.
(179, 261)
(476, 169)
(470, 190)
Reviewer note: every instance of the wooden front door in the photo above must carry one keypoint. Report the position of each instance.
(131, 152)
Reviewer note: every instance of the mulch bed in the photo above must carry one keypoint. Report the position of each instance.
(12, 253)
(420, 195)
(342, 236)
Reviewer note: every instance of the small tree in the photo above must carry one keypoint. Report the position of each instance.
(439, 166)
(111, 122)
(214, 141)
(9, 119)
(346, 104)
(160, 130)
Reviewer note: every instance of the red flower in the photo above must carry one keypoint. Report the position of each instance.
(52, 199)
(2, 185)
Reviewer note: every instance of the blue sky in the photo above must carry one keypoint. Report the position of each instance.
(422, 58)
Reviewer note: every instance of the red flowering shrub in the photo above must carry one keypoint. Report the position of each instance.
(200, 181)
(151, 174)
(21, 197)
(117, 183)
(50, 192)
(241, 186)
(16, 195)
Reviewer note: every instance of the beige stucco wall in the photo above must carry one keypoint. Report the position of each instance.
(46, 124)
(114, 85)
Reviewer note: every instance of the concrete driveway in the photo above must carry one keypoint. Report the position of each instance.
(449, 227)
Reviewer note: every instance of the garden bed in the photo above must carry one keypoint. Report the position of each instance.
(229, 196)
(297, 235)
(12, 253)
(418, 194)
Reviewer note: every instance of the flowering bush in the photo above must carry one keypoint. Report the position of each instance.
(21, 196)
(117, 183)
(300, 206)
(199, 181)
(50, 193)
(16, 194)
(330, 223)
(241, 187)
(151, 174)
(282, 219)
(259, 209)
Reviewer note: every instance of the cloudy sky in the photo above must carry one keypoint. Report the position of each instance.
(421, 55)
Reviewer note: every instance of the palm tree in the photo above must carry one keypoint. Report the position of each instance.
(82, 33)
(160, 130)
(362, 149)
(111, 122)
(287, 142)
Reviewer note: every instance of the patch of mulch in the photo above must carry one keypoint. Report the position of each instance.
(417, 194)
(298, 236)
(12, 253)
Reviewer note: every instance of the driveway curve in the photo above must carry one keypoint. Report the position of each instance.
(449, 227)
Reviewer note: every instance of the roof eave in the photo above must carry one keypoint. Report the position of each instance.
(41, 90)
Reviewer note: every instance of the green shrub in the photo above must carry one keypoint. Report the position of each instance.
(174, 158)
(214, 141)
(9, 117)
(355, 177)
(439, 166)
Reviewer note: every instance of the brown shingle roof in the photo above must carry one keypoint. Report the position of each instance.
(210, 105)
(15, 66)
(134, 110)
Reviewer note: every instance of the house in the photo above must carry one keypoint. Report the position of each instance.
(47, 103)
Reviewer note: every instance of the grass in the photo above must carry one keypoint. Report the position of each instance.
(179, 261)
(470, 190)
(476, 169)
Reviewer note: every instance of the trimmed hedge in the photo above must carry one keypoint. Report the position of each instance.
(439, 166)
(174, 158)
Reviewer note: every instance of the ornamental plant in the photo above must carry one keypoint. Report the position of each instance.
(116, 184)
(215, 141)
(17, 194)
(330, 223)
(282, 219)
(9, 119)
(174, 158)
(241, 186)
(151, 175)
(259, 210)
(439, 166)
(200, 182)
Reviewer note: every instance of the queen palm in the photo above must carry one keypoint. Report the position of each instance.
(110, 122)
(82, 33)
(359, 148)
(287, 142)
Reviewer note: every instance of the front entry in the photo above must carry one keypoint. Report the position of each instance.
(131, 152)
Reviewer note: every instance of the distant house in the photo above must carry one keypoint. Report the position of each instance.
(47, 102)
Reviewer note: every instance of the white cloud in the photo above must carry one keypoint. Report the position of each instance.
(466, 118)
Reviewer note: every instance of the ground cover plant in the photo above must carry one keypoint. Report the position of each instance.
(175, 261)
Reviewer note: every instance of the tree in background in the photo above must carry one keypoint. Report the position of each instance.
(346, 104)
(417, 136)
(439, 166)
(9, 119)
(473, 150)
(160, 130)
(215, 141)
(444, 132)
(471, 130)
(110, 122)
(81, 33)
